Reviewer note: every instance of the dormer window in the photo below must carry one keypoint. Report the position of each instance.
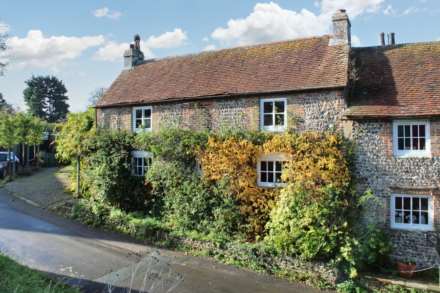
(411, 138)
(142, 118)
(273, 114)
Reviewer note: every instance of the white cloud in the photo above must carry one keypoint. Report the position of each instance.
(106, 12)
(356, 41)
(270, 22)
(4, 28)
(389, 10)
(113, 51)
(37, 50)
(210, 47)
(167, 40)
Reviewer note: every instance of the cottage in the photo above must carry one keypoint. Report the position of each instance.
(385, 98)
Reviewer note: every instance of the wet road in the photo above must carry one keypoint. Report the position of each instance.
(96, 261)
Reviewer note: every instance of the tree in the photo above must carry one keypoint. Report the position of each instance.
(96, 96)
(8, 135)
(4, 106)
(46, 98)
(2, 47)
(72, 137)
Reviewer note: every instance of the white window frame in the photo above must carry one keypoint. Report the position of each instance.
(133, 115)
(273, 128)
(412, 153)
(275, 157)
(140, 155)
(411, 226)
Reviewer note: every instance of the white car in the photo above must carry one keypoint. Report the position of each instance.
(4, 161)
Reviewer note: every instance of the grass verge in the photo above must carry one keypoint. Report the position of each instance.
(20, 279)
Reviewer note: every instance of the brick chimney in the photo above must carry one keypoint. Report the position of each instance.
(341, 29)
(134, 56)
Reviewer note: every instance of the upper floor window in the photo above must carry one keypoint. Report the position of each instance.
(273, 114)
(270, 168)
(142, 118)
(141, 162)
(411, 138)
(412, 212)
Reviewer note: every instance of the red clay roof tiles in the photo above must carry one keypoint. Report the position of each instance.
(296, 65)
(396, 81)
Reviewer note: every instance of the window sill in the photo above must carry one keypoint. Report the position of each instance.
(273, 129)
(412, 228)
(139, 130)
(271, 185)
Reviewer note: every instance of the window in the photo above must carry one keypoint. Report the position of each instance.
(412, 212)
(141, 162)
(141, 118)
(269, 170)
(273, 114)
(411, 139)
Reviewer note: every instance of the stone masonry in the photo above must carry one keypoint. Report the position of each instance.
(306, 111)
(385, 175)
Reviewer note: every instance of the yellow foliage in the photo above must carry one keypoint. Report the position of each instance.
(314, 160)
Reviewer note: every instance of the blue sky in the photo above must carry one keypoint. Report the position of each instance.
(81, 42)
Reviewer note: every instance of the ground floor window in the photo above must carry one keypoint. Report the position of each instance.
(270, 168)
(412, 212)
(141, 161)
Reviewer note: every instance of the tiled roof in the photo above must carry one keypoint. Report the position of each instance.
(296, 65)
(396, 81)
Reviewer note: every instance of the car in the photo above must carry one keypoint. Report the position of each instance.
(4, 161)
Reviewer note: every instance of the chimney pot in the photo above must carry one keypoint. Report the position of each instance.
(393, 39)
(382, 39)
(134, 56)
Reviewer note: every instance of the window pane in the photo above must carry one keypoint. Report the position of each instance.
(407, 143)
(138, 123)
(422, 143)
(268, 107)
(138, 114)
(400, 131)
(278, 166)
(398, 217)
(415, 130)
(407, 203)
(270, 165)
(415, 144)
(278, 177)
(147, 123)
(424, 218)
(400, 143)
(279, 107)
(263, 165)
(147, 113)
(415, 217)
(407, 131)
(406, 217)
(268, 120)
(424, 204)
(422, 130)
(270, 177)
(416, 201)
(139, 171)
(398, 203)
(263, 177)
(279, 119)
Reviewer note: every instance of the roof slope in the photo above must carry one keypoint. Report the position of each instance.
(275, 67)
(397, 81)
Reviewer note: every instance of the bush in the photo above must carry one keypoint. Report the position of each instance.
(309, 227)
(107, 172)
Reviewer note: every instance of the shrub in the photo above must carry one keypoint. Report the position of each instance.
(107, 172)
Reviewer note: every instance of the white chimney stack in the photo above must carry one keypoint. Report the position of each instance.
(341, 29)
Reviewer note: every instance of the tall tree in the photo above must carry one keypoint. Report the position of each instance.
(96, 96)
(4, 106)
(46, 98)
(2, 47)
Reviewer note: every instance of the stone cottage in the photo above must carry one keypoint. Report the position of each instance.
(385, 98)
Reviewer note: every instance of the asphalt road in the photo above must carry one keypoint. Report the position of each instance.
(99, 261)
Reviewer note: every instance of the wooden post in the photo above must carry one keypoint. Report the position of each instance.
(78, 170)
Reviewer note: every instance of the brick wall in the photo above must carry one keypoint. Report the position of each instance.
(306, 111)
(378, 169)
